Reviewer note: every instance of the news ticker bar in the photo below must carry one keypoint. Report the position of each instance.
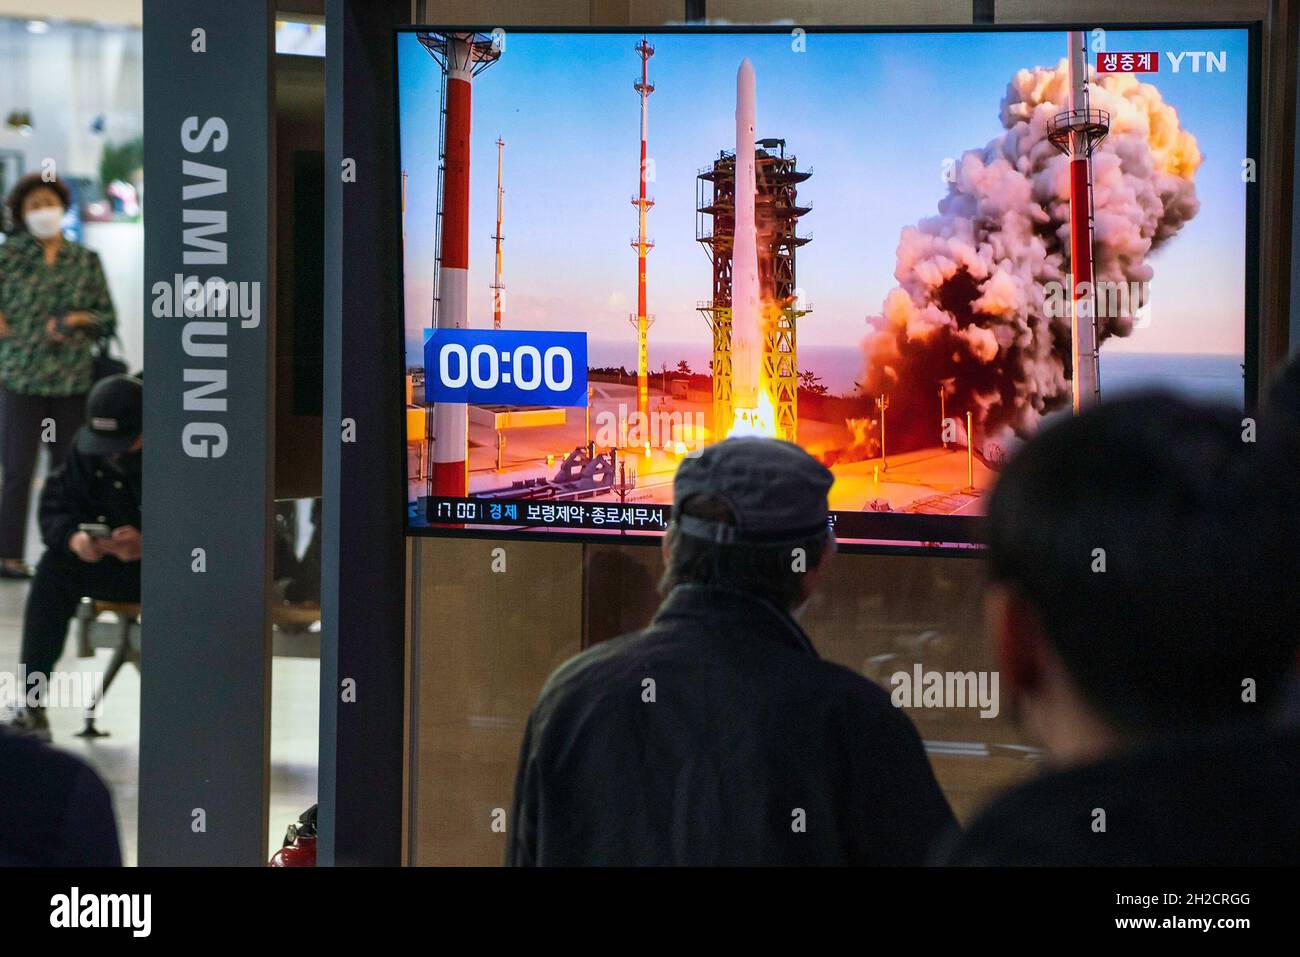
(529, 513)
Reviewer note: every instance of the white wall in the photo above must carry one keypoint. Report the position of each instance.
(66, 78)
(90, 11)
(121, 249)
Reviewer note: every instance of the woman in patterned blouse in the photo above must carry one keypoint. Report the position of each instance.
(54, 307)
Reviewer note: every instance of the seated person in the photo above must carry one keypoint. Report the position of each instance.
(97, 485)
(1143, 605)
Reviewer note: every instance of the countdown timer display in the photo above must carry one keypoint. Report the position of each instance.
(505, 367)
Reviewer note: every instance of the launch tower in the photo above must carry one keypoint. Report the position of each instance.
(498, 239)
(1076, 133)
(642, 321)
(777, 212)
(462, 57)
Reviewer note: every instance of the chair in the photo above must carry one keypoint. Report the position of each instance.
(292, 618)
(126, 650)
(295, 616)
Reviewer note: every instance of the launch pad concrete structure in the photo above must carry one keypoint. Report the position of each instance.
(776, 213)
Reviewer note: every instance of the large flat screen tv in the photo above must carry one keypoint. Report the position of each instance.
(904, 250)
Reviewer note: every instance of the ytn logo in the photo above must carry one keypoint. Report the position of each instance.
(1214, 62)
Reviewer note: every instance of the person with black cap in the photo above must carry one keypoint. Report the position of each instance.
(1144, 620)
(716, 735)
(89, 516)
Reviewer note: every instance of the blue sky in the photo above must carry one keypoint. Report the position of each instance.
(872, 115)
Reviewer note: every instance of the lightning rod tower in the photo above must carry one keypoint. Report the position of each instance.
(497, 237)
(642, 320)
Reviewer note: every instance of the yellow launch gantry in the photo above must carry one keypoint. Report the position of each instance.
(776, 215)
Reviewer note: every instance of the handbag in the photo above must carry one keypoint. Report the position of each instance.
(104, 363)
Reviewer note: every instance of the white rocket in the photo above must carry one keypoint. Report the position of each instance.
(746, 326)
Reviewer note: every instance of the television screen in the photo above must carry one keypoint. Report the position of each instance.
(904, 251)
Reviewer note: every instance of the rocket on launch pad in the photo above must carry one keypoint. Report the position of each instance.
(746, 306)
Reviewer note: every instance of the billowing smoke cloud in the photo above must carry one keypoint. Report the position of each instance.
(968, 313)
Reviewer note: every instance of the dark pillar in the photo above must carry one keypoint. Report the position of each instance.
(205, 673)
(363, 566)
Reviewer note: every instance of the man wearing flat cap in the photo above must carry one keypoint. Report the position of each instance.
(716, 735)
(89, 515)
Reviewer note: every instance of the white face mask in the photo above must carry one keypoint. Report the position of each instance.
(44, 223)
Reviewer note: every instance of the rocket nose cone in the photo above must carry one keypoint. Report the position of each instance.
(746, 72)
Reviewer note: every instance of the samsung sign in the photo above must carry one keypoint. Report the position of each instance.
(207, 303)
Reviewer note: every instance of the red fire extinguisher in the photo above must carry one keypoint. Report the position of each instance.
(299, 849)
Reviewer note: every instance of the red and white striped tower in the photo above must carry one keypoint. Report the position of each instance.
(1076, 133)
(642, 320)
(462, 57)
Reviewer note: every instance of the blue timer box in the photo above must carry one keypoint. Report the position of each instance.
(505, 367)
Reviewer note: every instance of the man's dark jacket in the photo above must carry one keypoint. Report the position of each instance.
(88, 490)
(718, 736)
(1230, 798)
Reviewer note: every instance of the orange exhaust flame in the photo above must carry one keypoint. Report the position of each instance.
(760, 421)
